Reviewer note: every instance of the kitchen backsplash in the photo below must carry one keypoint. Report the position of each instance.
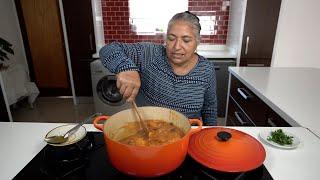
(214, 15)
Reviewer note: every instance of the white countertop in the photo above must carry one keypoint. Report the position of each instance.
(294, 93)
(20, 142)
(216, 51)
(217, 54)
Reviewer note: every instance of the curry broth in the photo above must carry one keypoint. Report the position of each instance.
(160, 132)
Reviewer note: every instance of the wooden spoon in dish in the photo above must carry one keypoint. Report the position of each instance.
(58, 139)
(142, 123)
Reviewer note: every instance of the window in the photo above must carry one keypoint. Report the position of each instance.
(153, 19)
(207, 25)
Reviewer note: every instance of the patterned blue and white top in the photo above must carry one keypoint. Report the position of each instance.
(193, 94)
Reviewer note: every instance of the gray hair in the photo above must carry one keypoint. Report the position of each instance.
(188, 17)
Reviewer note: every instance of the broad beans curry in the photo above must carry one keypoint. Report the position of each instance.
(160, 132)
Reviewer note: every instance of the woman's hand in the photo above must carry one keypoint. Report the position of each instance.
(128, 82)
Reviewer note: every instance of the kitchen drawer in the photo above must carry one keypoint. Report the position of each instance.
(252, 105)
(274, 120)
(236, 117)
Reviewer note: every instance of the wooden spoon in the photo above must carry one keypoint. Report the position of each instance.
(142, 123)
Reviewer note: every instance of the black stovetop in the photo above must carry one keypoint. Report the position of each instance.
(88, 159)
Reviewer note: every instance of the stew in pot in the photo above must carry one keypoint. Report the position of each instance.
(160, 132)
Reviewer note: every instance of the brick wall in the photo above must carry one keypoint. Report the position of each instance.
(117, 28)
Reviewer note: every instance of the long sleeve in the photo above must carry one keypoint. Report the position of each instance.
(118, 57)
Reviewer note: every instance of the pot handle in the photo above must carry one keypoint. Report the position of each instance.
(97, 120)
(198, 122)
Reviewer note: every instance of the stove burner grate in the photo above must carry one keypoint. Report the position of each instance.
(68, 160)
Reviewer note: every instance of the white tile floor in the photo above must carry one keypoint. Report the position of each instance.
(53, 109)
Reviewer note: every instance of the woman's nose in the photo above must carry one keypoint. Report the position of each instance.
(177, 45)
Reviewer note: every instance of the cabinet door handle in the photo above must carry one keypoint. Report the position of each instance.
(271, 123)
(247, 45)
(255, 65)
(244, 93)
(236, 114)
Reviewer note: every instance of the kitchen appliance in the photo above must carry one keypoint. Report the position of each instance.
(106, 97)
(140, 160)
(88, 160)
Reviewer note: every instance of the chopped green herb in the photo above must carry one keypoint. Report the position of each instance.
(278, 136)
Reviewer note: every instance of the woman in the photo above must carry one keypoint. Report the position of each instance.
(170, 75)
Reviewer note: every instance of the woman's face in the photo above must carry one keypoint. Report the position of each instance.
(181, 43)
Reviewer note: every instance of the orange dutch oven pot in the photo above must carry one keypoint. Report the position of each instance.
(145, 161)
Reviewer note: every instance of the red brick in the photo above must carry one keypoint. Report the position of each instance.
(212, 3)
(217, 41)
(222, 37)
(222, 27)
(110, 23)
(107, 36)
(124, 18)
(119, 4)
(116, 36)
(220, 32)
(126, 8)
(119, 13)
(106, 28)
(115, 18)
(109, 3)
(120, 23)
(124, 36)
(115, 8)
(111, 13)
(220, 23)
(191, 3)
(111, 32)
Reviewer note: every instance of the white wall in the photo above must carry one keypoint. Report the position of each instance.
(236, 25)
(298, 34)
(10, 31)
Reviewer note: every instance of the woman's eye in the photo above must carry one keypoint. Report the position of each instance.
(187, 40)
(170, 38)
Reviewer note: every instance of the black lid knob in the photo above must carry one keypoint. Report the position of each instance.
(223, 136)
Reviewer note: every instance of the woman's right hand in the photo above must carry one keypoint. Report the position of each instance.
(128, 83)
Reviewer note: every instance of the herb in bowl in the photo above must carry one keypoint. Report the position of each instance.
(278, 136)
